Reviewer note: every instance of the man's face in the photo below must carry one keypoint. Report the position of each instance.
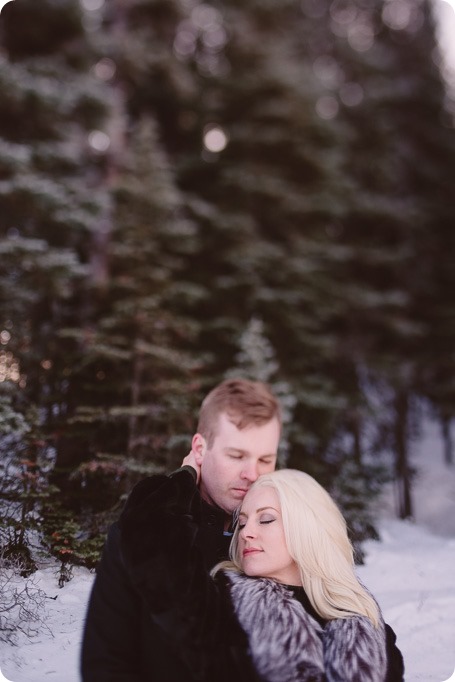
(235, 460)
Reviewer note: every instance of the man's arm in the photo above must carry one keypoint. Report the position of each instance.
(111, 638)
(395, 663)
(113, 631)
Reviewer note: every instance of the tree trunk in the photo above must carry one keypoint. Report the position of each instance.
(356, 429)
(133, 422)
(403, 478)
(447, 438)
(115, 129)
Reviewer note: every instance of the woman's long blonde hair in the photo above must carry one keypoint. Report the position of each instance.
(317, 540)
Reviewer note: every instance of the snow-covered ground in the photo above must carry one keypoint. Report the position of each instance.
(411, 573)
(51, 655)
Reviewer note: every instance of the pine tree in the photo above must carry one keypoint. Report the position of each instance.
(182, 181)
(139, 366)
(256, 360)
(401, 156)
(51, 108)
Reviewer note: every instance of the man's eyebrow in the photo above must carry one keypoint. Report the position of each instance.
(271, 455)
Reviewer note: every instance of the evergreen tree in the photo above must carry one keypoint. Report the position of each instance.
(139, 367)
(50, 104)
(50, 112)
(190, 189)
(256, 360)
(401, 156)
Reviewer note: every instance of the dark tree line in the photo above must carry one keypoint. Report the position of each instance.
(190, 190)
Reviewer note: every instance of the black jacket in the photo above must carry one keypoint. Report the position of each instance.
(121, 640)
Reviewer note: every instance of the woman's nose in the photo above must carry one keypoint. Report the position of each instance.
(247, 531)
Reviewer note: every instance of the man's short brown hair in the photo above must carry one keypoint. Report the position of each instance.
(245, 402)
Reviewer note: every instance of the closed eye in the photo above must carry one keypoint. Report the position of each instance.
(242, 524)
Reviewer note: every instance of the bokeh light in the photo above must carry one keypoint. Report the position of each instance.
(92, 5)
(185, 40)
(105, 69)
(99, 141)
(361, 36)
(5, 337)
(206, 17)
(215, 138)
(351, 94)
(328, 71)
(327, 107)
(402, 14)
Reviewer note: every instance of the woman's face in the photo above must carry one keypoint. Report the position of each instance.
(262, 545)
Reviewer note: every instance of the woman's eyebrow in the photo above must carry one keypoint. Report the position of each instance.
(261, 509)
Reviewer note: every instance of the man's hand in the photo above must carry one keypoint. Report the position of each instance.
(190, 460)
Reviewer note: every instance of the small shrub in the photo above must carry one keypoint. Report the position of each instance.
(22, 602)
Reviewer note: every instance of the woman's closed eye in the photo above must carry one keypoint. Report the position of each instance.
(266, 519)
(242, 524)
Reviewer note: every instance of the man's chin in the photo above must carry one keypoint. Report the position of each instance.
(231, 502)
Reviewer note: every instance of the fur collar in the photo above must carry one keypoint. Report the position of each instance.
(288, 645)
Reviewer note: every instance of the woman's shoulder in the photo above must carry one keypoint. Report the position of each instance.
(355, 647)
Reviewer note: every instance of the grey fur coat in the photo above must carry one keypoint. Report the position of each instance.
(288, 645)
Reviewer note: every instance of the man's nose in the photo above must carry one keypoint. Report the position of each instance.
(250, 472)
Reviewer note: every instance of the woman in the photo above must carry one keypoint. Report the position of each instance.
(287, 608)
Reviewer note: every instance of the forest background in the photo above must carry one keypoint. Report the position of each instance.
(190, 191)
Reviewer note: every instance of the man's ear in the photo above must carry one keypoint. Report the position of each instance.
(199, 447)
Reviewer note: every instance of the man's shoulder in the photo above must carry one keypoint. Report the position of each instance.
(183, 477)
(146, 486)
(159, 494)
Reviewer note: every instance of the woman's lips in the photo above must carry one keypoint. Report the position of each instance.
(251, 550)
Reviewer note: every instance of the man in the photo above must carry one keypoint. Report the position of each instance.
(236, 442)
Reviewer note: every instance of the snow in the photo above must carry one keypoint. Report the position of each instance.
(410, 572)
(51, 655)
